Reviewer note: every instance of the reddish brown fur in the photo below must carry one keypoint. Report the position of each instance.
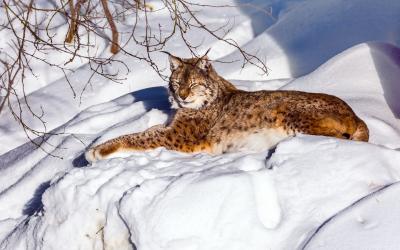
(228, 112)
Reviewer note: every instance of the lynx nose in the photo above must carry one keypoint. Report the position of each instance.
(184, 93)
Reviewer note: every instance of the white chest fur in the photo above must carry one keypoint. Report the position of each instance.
(255, 140)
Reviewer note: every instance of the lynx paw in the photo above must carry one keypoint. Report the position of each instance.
(93, 155)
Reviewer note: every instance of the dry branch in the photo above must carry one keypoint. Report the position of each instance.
(74, 10)
(114, 31)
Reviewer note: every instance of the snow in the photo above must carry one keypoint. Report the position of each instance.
(168, 200)
(310, 192)
(363, 224)
(308, 33)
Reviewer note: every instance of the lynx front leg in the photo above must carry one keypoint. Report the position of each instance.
(152, 138)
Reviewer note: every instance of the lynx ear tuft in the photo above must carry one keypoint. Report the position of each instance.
(204, 63)
(174, 62)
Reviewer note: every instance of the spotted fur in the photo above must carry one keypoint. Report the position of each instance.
(213, 116)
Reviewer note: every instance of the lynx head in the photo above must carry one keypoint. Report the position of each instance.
(190, 84)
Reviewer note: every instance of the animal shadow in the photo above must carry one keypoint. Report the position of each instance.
(35, 204)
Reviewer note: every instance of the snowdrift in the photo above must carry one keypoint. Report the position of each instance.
(309, 193)
(169, 200)
(306, 34)
(164, 200)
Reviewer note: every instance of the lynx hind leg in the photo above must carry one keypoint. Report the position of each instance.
(349, 127)
(337, 127)
(361, 133)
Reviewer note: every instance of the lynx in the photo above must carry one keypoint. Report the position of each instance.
(215, 117)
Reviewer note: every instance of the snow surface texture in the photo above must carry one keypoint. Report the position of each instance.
(311, 192)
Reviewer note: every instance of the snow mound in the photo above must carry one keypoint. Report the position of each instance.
(261, 209)
(310, 192)
(366, 221)
(167, 200)
(308, 33)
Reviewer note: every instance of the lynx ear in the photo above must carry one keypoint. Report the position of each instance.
(174, 62)
(204, 63)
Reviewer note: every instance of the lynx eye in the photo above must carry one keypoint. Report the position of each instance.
(175, 84)
(193, 85)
